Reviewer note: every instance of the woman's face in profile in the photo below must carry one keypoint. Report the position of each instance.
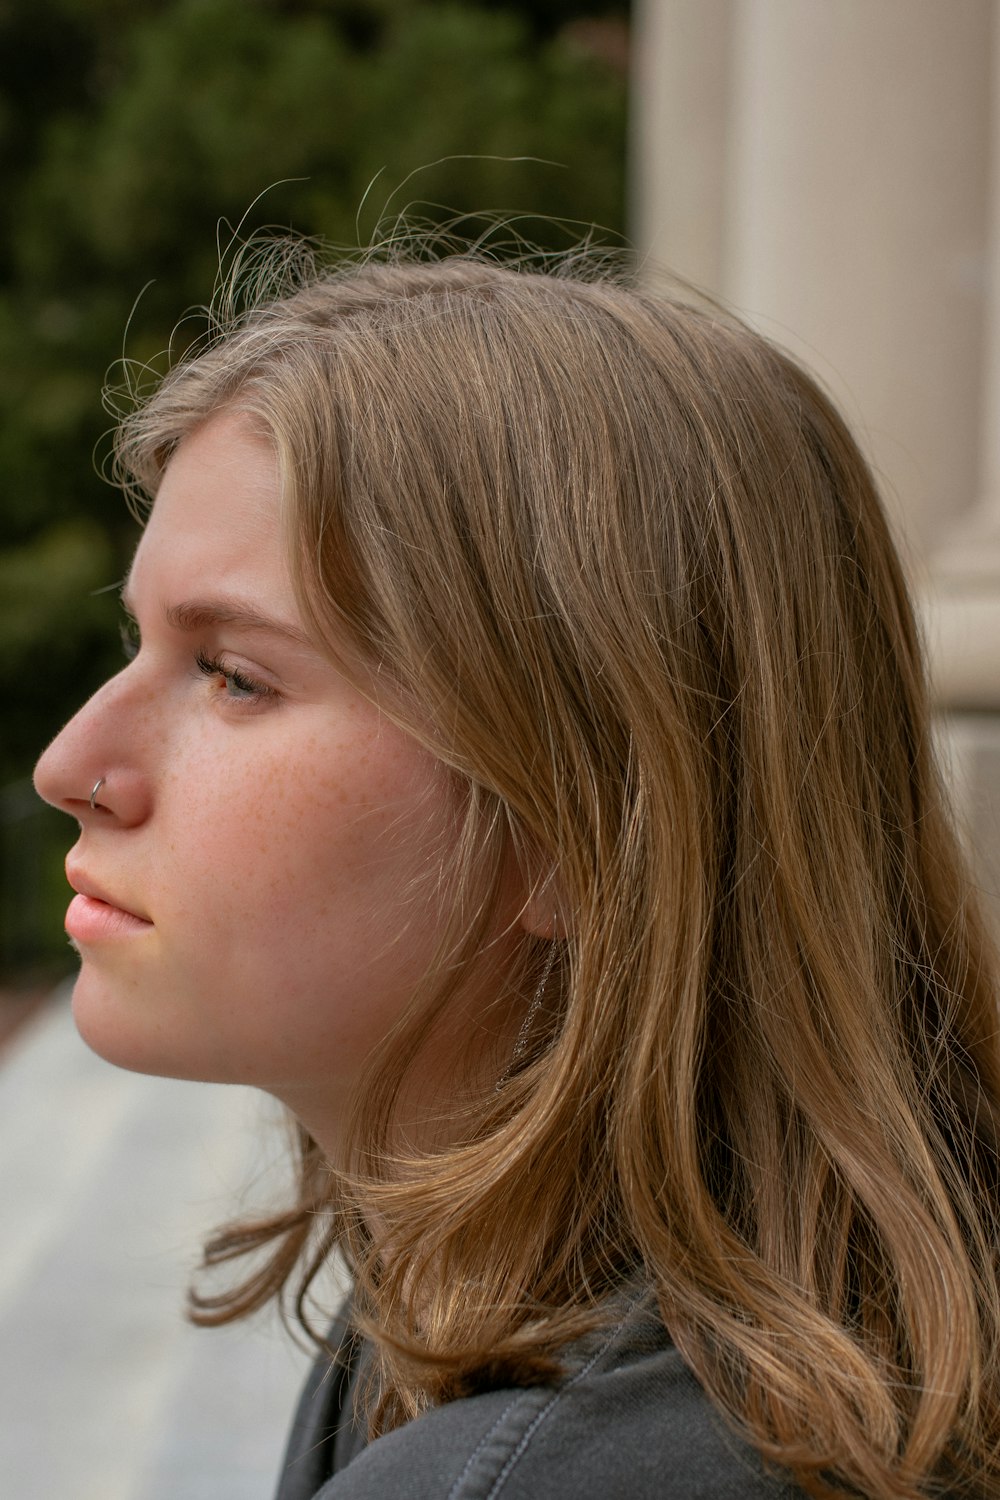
(270, 832)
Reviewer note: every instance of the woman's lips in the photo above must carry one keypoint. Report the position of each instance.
(89, 920)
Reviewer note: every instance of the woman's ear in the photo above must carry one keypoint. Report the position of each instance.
(543, 912)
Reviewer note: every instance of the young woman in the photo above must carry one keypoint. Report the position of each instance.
(522, 770)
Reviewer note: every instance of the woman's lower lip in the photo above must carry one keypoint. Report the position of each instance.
(91, 921)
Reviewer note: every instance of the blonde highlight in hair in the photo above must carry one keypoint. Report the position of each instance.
(616, 560)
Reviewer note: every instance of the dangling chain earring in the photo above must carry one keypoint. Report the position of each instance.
(530, 1014)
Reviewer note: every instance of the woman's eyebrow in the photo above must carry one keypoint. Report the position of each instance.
(203, 614)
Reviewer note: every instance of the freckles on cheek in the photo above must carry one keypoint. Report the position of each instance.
(325, 831)
(331, 824)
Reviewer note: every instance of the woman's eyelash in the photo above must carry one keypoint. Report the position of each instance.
(238, 685)
(128, 629)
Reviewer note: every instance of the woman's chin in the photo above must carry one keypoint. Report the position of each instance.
(113, 1018)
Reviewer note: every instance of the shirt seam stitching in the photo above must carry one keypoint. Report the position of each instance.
(531, 1429)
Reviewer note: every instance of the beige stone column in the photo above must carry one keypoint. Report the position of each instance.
(823, 165)
(964, 590)
(680, 135)
(962, 596)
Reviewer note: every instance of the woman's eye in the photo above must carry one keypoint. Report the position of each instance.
(128, 629)
(238, 686)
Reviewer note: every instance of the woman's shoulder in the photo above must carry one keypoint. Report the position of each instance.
(627, 1419)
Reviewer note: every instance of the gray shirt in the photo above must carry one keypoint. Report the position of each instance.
(626, 1421)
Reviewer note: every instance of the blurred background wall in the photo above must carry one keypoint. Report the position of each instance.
(832, 169)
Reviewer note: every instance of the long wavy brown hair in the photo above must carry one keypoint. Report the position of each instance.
(617, 561)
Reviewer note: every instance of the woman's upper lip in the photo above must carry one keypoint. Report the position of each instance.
(84, 886)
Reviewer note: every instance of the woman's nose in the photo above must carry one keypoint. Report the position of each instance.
(91, 769)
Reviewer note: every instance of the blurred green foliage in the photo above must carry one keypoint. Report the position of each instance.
(134, 134)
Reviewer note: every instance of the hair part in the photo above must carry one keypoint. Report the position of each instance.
(617, 562)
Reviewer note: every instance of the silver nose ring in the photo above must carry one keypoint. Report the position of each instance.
(96, 788)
